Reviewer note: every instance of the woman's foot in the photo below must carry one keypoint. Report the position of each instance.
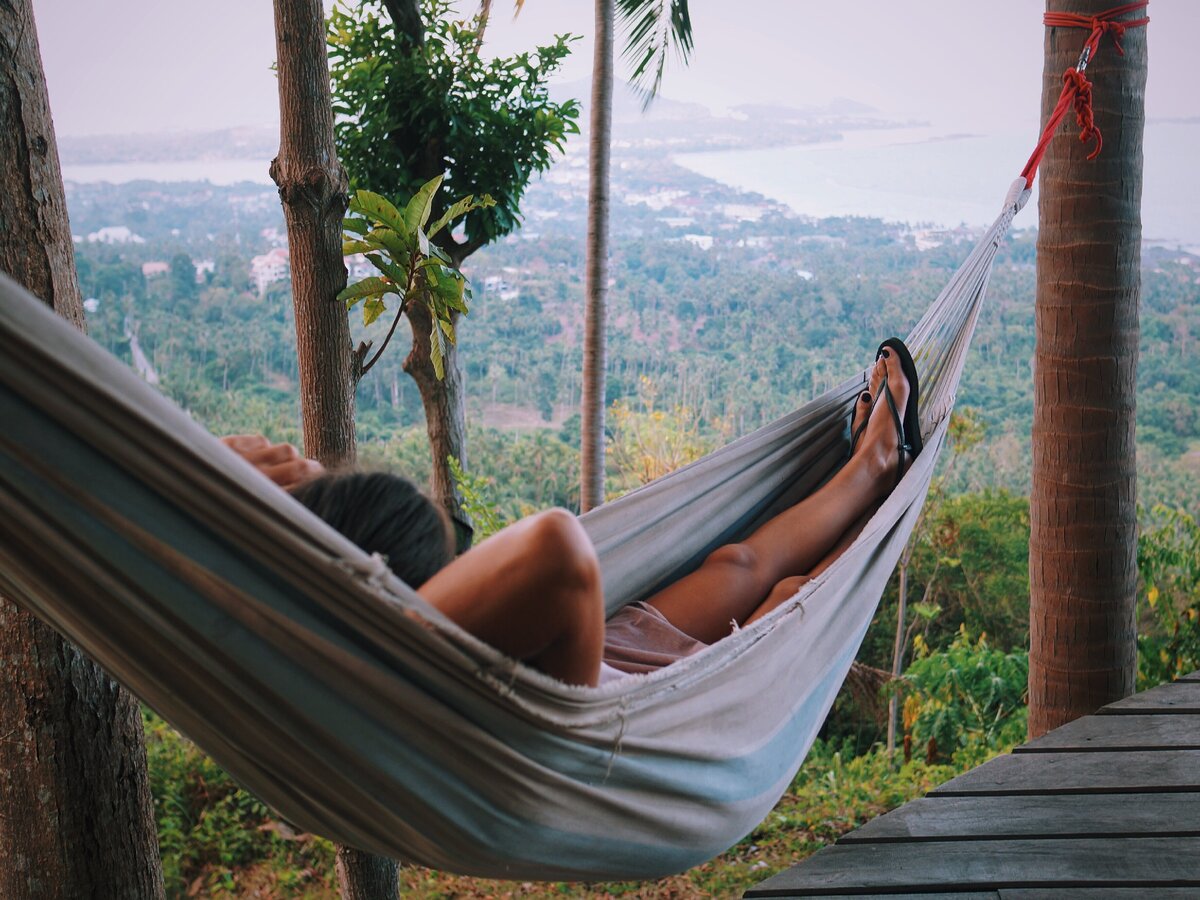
(884, 446)
(863, 403)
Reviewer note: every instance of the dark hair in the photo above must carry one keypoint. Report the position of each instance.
(384, 514)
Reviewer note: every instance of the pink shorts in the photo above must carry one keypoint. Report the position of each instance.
(639, 638)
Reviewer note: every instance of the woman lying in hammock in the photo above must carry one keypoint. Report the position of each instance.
(533, 589)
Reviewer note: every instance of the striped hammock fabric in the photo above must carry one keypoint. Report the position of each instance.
(333, 692)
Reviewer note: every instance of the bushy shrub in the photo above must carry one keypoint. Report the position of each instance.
(212, 835)
(1169, 601)
(966, 699)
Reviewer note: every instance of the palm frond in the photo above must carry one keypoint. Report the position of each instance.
(653, 28)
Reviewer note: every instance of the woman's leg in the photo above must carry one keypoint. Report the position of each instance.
(734, 580)
(787, 589)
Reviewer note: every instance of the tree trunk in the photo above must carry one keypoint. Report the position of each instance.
(76, 816)
(445, 422)
(1083, 524)
(591, 489)
(898, 646)
(313, 188)
(364, 876)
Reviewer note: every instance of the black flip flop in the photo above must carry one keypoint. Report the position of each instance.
(912, 421)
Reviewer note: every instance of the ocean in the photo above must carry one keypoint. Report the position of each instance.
(927, 175)
(917, 175)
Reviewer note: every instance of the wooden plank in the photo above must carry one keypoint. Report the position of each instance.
(1099, 733)
(1107, 893)
(927, 895)
(1177, 698)
(932, 895)
(1060, 816)
(1117, 771)
(1150, 862)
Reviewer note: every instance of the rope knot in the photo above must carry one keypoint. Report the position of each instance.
(1077, 90)
(1110, 26)
(1076, 82)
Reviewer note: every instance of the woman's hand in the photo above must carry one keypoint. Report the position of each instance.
(282, 463)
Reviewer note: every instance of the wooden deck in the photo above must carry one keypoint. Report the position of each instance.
(1108, 805)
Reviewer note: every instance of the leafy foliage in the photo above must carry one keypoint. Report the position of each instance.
(1169, 566)
(210, 830)
(483, 512)
(652, 29)
(967, 697)
(412, 267)
(406, 113)
(647, 442)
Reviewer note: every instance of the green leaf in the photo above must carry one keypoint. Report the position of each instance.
(416, 214)
(462, 207)
(373, 309)
(378, 209)
(437, 351)
(396, 273)
(355, 225)
(349, 248)
(368, 287)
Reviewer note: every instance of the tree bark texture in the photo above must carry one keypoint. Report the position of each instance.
(314, 191)
(313, 188)
(1083, 534)
(445, 422)
(591, 489)
(364, 876)
(76, 816)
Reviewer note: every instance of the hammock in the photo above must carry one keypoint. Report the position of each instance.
(333, 692)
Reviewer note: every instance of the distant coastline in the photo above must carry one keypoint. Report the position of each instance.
(216, 171)
(915, 174)
(929, 176)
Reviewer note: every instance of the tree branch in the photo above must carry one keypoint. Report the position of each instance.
(387, 340)
(406, 17)
(459, 252)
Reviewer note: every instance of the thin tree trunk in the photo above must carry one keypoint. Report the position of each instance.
(898, 647)
(313, 188)
(445, 422)
(591, 489)
(1083, 524)
(76, 816)
(365, 876)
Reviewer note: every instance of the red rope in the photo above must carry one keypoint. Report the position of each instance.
(1077, 90)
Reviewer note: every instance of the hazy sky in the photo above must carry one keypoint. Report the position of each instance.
(121, 66)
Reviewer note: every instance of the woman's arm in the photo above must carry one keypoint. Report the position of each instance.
(532, 591)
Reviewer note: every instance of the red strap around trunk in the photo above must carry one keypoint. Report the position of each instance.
(1077, 90)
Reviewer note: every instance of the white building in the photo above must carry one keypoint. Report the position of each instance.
(272, 266)
(115, 234)
(203, 267)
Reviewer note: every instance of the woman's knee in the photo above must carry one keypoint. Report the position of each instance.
(789, 587)
(737, 556)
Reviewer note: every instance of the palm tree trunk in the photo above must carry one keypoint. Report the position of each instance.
(313, 188)
(76, 816)
(1083, 534)
(591, 493)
